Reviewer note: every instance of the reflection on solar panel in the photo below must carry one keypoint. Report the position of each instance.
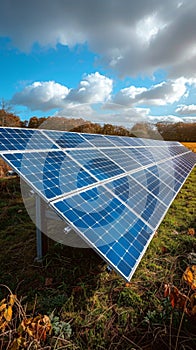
(113, 191)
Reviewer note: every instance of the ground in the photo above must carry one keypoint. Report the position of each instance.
(102, 310)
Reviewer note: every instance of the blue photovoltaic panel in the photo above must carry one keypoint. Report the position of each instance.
(23, 139)
(153, 184)
(133, 141)
(68, 139)
(121, 158)
(141, 158)
(118, 141)
(114, 191)
(175, 150)
(139, 199)
(96, 163)
(52, 173)
(108, 225)
(98, 140)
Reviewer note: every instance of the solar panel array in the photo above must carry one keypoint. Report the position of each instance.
(113, 191)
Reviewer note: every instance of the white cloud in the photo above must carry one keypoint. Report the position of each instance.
(131, 36)
(164, 93)
(157, 95)
(92, 89)
(44, 96)
(84, 111)
(41, 96)
(93, 100)
(128, 96)
(186, 110)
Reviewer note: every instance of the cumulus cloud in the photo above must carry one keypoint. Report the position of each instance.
(92, 100)
(41, 96)
(93, 88)
(95, 100)
(186, 110)
(96, 88)
(44, 96)
(130, 36)
(158, 95)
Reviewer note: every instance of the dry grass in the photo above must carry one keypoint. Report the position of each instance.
(190, 145)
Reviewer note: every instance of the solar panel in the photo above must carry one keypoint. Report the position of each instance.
(113, 191)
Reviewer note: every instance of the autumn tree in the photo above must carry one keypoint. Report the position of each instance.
(9, 119)
(177, 131)
(36, 122)
(6, 117)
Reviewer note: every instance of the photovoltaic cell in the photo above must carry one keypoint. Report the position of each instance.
(133, 141)
(52, 173)
(122, 159)
(138, 156)
(98, 140)
(67, 139)
(96, 163)
(114, 191)
(23, 139)
(158, 188)
(118, 141)
(102, 220)
(175, 150)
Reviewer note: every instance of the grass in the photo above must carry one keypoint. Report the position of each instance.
(190, 145)
(102, 310)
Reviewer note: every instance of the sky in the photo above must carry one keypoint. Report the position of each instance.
(106, 61)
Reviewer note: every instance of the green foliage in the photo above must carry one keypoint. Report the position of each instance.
(128, 297)
(60, 328)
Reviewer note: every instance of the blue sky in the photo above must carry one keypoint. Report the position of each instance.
(114, 61)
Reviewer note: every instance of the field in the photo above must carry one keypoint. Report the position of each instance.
(94, 308)
(190, 145)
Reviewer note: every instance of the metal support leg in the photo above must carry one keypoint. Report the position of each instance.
(41, 238)
(38, 228)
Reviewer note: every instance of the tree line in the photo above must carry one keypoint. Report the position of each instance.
(184, 132)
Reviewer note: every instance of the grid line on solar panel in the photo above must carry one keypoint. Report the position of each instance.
(103, 229)
(117, 140)
(146, 212)
(26, 151)
(53, 173)
(68, 139)
(139, 201)
(110, 254)
(96, 162)
(145, 156)
(57, 193)
(136, 155)
(23, 139)
(166, 178)
(97, 140)
(189, 158)
(171, 158)
(154, 186)
(175, 150)
(121, 159)
(97, 165)
(172, 174)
